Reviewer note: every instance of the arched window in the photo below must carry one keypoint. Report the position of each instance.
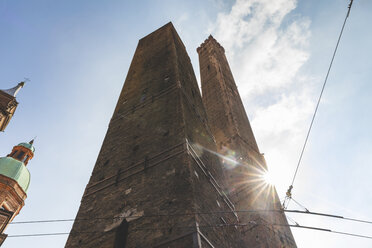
(25, 159)
(121, 235)
(20, 155)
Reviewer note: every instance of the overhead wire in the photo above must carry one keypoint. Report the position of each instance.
(299, 204)
(292, 220)
(193, 213)
(205, 226)
(289, 191)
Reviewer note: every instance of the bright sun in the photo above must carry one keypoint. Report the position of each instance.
(268, 178)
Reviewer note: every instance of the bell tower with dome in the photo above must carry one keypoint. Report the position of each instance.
(14, 182)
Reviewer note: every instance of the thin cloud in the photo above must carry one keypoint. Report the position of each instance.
(264, 52)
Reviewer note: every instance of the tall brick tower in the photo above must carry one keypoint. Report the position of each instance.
(8, 104)
(244, 165)
(155, 183)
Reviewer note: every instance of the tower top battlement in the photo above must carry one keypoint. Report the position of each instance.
(210, 42)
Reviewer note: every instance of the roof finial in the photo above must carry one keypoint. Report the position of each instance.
(32, 141)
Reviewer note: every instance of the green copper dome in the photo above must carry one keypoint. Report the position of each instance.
(15, 170)
(28, 146)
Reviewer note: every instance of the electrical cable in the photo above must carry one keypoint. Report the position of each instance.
(206, 226)
(289, 193)
(299, 204)
(195, 213)
(292, 220)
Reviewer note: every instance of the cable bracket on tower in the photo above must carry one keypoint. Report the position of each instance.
(289, 192)
(288, 197)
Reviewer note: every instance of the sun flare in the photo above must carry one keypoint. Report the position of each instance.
(268, 178)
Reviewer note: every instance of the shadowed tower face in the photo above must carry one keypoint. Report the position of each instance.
(154, 176)
(244, 166)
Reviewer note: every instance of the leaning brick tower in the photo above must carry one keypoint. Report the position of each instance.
(244, 165)
(159, 180)
(156, 182)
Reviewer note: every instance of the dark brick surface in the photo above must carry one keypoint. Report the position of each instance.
(151, 170)
(158, 181)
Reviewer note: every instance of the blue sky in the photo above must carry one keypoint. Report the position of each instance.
(77, 54)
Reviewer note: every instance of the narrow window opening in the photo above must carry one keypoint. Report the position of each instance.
(5, 207)
(121, 235)
(25, 159)
(20, 155)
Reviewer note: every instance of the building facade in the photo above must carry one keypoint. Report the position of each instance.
(159, 180)
(8, 105)
(14, 182)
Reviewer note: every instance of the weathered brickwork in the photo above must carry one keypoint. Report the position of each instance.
(159, 180)
(154, 184)
(234, 138)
